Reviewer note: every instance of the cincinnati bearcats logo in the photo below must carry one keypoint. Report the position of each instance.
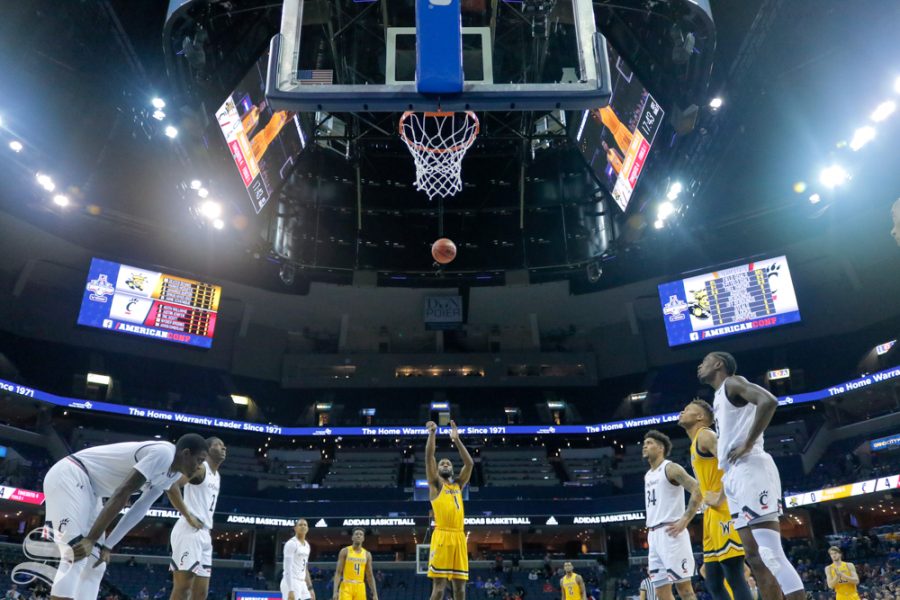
(63, 523)
(684, 566)
(764, 499)
(184, 555)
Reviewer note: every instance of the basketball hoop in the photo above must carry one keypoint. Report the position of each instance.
(438, 141)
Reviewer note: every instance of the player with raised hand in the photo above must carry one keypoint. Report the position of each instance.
(449, 558)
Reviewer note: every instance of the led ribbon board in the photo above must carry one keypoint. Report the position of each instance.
(388, 431)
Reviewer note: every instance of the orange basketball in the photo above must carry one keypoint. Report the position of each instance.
(443, 251)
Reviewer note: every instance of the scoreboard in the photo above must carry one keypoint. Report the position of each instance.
(136, 301)
(756, 295)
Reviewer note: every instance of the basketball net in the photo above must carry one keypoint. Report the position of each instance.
(438, 141)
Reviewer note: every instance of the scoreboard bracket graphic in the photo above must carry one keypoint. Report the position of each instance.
(136, 301)
(757, 295)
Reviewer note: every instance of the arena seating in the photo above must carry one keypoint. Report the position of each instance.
(518, 467)
(370, 468)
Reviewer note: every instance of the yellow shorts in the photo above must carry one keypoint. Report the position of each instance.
(353, 591)
(448, 557)
(720, 539)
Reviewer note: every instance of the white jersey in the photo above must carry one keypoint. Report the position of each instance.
(201, 498)
(108, 466)
(733, 425)
(296, 557)
(664, 501)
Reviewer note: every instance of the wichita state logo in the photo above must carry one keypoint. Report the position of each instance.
(136, 281)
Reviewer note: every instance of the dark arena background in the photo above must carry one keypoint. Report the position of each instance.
(188, 244)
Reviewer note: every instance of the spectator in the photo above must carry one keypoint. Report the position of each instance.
(548, 587)
(533, 575)
(13, 593)
(548, 566)
(160, 594)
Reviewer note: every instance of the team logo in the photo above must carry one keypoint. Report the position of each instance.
(675, 308)
(764, 499)
(184, 555)
(63, 523)
(136, 281)
(700, 306)
(100, 288)
(129, 306)
(684, 566)
(725, 526)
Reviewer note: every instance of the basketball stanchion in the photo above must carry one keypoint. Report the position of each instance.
(438, 141)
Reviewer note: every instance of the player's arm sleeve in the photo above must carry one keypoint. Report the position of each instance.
(157, 458)
(133, 516)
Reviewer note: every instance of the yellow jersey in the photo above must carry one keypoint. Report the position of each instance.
(448, 508)
(843, 591)
(570, 587)
(720, 540)
(355, 565)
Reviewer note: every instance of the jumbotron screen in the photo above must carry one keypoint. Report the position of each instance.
(264, 143)
(615, 140)
(753, 296)
(136, 301)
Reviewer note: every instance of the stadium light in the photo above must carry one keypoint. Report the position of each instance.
(658, 224)
(98, 379)
(799, 187)
(665, 209)
(639, 397)
(203, 192)
(171, 131)
(16, 146)
(716, 103)
(240, 400)
(883, 111)
(219, 224)
(196, 184)
(815, 199)
(211, 209)
(159, 115)
(861, 137)
(61, 200)
(45, 182)
(158, 103)
(674, 189)
(833, 176)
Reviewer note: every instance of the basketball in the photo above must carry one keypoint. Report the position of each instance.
(443, 251)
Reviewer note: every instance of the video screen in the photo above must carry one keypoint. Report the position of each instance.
(135, 301)
(753, 296)
(615, 140)
(264, 143)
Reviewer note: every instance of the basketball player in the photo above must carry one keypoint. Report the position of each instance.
(723, 553)
(448, 558)
(895, 216)
(77, 518)
(191, 561)
(354, 563)
(572, 584)
(752, 485)
(671, 558)
(841, 576)
(296, 584)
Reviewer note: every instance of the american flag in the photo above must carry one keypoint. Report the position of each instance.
(316, 77)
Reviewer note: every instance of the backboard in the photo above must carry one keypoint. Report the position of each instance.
(428, 55)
